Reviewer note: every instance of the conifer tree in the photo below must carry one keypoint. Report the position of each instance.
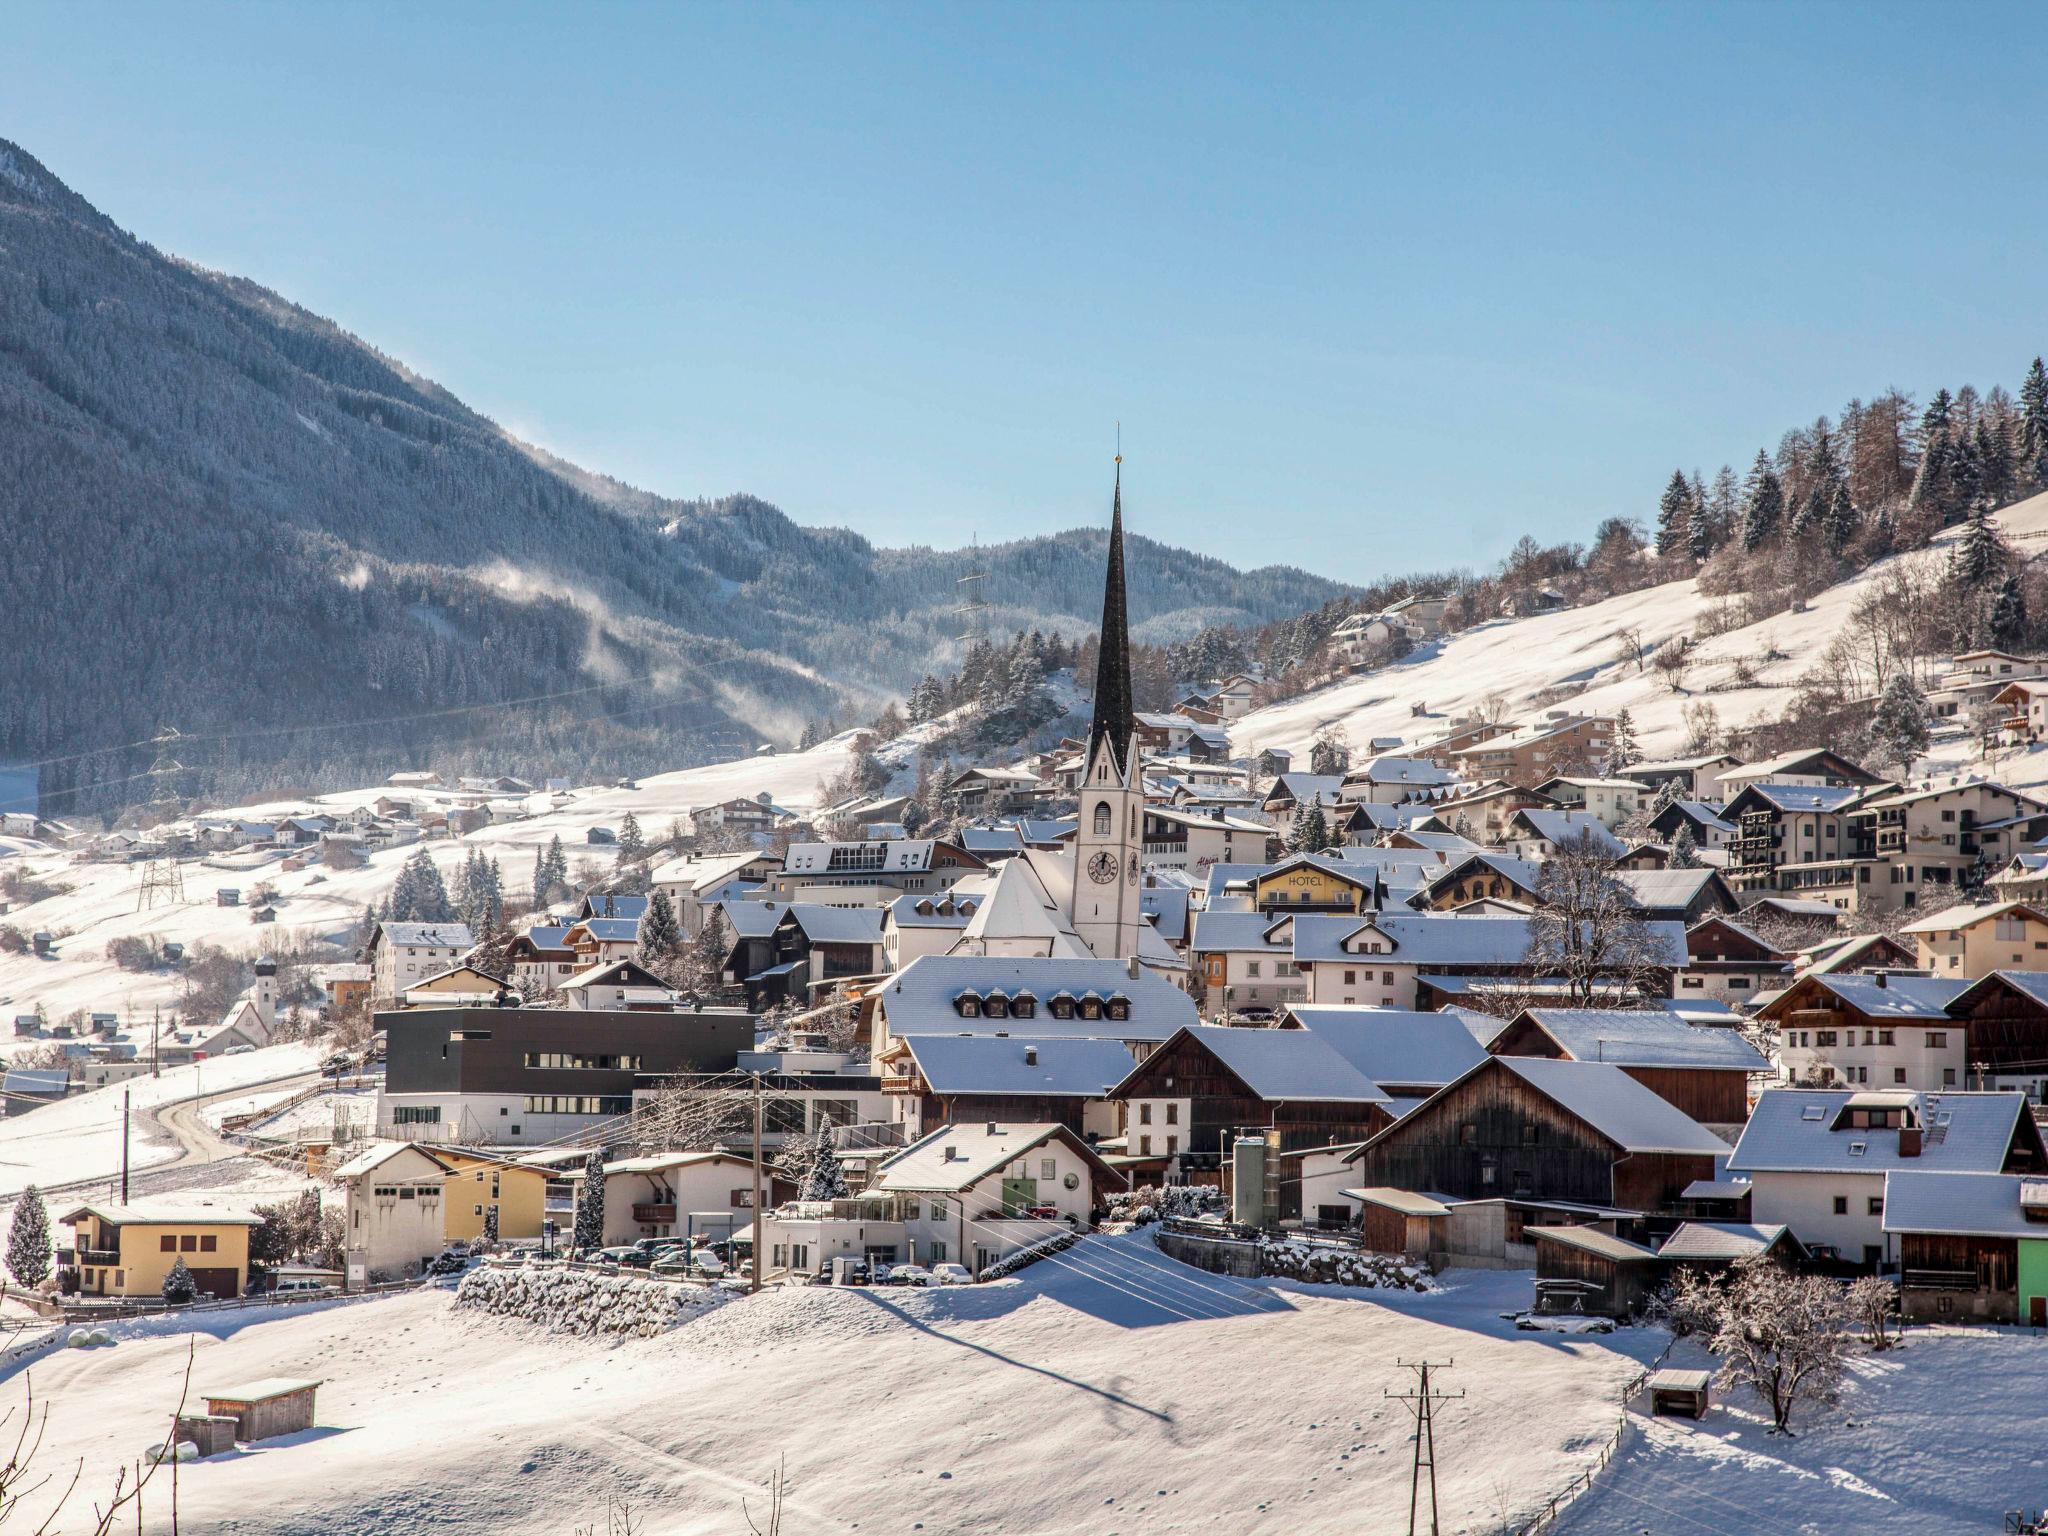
(589, 1231)
(632, 842)
(661, 936)
(1981, 556)
(824, 1179)
(1898, 727)
(1674, 512)
(1839, 522)
(1763, 508)
(1685, 853)
(491, 1225)
(2008, 619)
(28, 1239)
(179, 1286)
(418, 894)
(1624, 753)
(2031, 451)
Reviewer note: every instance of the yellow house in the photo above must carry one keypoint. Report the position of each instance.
(127, 1250)
(1972, 942)
(1305, 883)
(476, 1182)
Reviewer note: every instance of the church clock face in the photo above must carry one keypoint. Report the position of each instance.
(1102, 868)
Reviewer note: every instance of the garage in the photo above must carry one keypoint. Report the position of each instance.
(217, 1284)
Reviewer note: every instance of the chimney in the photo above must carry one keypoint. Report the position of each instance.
(949, 1154)
(1131, 967)
(1909, 1141)
(1030, 1055)
(991, 1127)
(1881, 980)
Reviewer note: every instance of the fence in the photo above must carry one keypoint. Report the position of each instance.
(117, 1311)
(1579, 1486)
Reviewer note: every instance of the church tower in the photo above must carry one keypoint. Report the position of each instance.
(1107, 849)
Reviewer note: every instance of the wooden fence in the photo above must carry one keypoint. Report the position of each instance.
(119, 1311)
(1547, 1517)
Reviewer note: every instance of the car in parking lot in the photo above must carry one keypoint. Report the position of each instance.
(949, 1274)
(909, 1274)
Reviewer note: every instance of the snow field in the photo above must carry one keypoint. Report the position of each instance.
(1105, 1389)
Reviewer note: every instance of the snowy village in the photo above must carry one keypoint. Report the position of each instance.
(531, 1006)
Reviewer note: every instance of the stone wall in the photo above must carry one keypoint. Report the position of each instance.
(566, 1300)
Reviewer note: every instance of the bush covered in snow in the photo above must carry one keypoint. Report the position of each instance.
(1321, 1264)
(1151, 1202)
(1009, 1264)
(566, 1300)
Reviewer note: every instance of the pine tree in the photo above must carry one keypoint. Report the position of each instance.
(1674, 512)
(418, 895)
(550, 871)
(1625, 753)
(661, 936)
(1981, 556)
(1898, 726)
(2008, 620)
(824, 1180)
(179, 1286)
(491, 1225)
(589, 1232)
(1763, 508)
(28, 1239)
(632, 842)
(1839, 522)
(1316, 830)
(541, 881)
(809, 737)
(1685, 853)
(2031, 452)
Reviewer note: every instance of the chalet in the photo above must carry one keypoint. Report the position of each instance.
(1609, 801)
(1208, 1083)
(1559, 743)
(459, 986)
(1391, 780)
(1483, 876)
(1535, 833)
(403, 954)
(1970, 1247)
(1186, 839)
(1291, 790)
(1964, 825)
(128, 1250)
(1880, 1031)
(2004, 1019)
(617, 986)
(1701, 819)
(1727, 962)
(1314, 882)
(758, 816)
(903, 865)
(346, 985)
(612, 904)
(1245, 961)
(601, 940)
(1465, 731)
(1482, 814)
(1977, 677)
(539, 960)
(1973, 941)
(1678, 895)
(2023, 878)
(1698, 778)
(1816, 1159)
(1809, 826)
(935, 1080)
(1534, 1128)
(692, 885)
(976, 994)
(808, 947)
(1703, 1072)
(1812, 767)
(991, 791)
(680, 1194)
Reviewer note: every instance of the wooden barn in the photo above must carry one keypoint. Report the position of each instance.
(1704, 1072)
(2005, 1019)
(1544, 1129)
(275, 1405)
(1585, 1270)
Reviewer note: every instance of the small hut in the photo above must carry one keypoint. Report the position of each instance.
(264, 1409)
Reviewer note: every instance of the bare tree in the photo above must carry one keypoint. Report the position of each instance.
(1671, 661)
(694, 1113)
(1586, 928)
(1781, 1335)
(1873, 1305)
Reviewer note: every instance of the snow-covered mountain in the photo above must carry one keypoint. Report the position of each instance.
(1579, 659)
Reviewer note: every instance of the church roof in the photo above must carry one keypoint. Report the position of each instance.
(1115, 719)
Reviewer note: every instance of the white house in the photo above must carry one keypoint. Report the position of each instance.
(974, 1193)
(405, 954)
(393, 1212)
(680, 1194)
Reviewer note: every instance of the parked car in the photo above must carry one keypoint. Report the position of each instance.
(239, 1050)
(949, 1274)
(909, 1274)
(705, 1262)
(614, 1255)
(296, 1286)
(1041, 1212)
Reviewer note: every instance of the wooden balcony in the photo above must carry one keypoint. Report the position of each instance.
(106, 1258)
(654, 1213)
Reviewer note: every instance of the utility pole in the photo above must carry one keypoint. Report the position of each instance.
(124, 1146)
(760, 1255)
(1421, 1402)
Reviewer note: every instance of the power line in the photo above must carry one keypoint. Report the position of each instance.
(1422, 1401)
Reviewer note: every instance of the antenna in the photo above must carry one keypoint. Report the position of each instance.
(972, 609)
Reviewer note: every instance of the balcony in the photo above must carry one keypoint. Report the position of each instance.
(654, 1213)
(106, 1258)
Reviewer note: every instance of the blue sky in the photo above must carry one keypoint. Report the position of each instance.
(1370, 288)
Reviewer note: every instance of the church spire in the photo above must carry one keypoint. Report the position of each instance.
(1113, 715)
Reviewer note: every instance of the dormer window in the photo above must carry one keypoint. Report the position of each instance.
(1023, 1006)
(924, 908)
(968, 1005)
(996, 1006)
(1119, 1007)
(1091, 1007)
(1063, 1005)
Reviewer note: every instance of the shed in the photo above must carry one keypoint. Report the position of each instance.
(1674, 1391)
(1582, 1269)
(265, 1408)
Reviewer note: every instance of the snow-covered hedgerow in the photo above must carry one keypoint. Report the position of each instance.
(1009, 1264)
(1323, 1265)
(1133, 1208)
(567, 1300)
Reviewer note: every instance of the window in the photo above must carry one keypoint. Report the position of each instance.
(1884, 1037)
(168, 1243)
(208, 1243)
(577, 1061)
(1172, 1118)
(188, 1242)
(1876, 1204)
(1102, 818)
(938, 1210)
(1386, 978)
(1841, 1205)
(579, 1104)
(1468, 1134)
(1145, 1114)
(1898, 1074)
(1948, 1077)
(1172, 1145)
(1351, 978)
(1937, 1039)
(1049, 1167)
(1251, 969)
(416, 1114)
(1144, 1146)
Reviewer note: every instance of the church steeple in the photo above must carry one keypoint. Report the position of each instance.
(1114, 720)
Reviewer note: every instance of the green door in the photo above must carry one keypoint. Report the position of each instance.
(1019, 1195)
(2033, 1287)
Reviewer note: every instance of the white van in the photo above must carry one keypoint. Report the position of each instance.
(296, 1287)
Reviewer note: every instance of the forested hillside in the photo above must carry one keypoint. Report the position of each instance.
(227, 514)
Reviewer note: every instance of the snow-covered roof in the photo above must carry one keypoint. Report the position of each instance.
(610, 930)
(1523, 872)
(1240, 932)
(710, 870)
(377, 1154)
(919, 999)
(1964, 1204)
(1950, 919)
(1416, 938)
(1805, 797)
(947, 911)
(1019, 908)
(1394, 1045)
(1893, 997)
(428, 935)
(955, 1157)
(1592, 1240)
(1317, 788)
(163, 1213)
(1666, 889)
(1791, 1130)
(1718, 1241)
(1562, 826)
(1616, 1105)
(1059, 1065)
(905, 854)
(1646, 1038)
(1287, 1064)
(837, 925)
(751, 919)
(1413, 772)
(547, 935)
